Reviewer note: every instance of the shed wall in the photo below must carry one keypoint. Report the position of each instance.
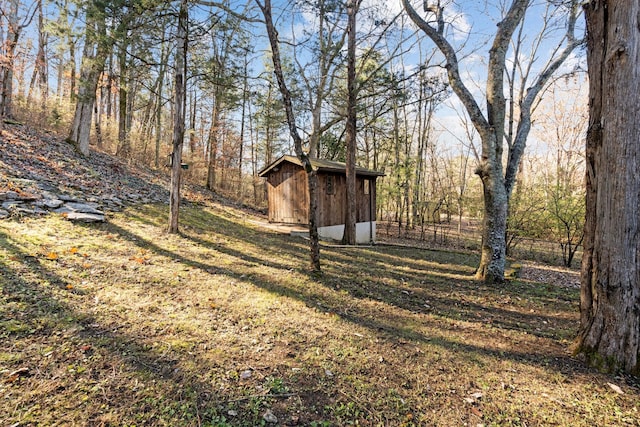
(287, 192)
(288, 197)
(332, 201)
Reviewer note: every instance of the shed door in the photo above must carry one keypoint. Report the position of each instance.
(292, 208)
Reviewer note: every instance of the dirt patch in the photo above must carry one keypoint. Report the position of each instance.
(553, 275)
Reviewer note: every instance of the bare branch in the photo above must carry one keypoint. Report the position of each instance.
(453, 71)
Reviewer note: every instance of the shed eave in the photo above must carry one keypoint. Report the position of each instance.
(320, 166)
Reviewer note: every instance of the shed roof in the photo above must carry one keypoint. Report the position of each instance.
(320, 165)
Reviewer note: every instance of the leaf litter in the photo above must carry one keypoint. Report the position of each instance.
(224, 325)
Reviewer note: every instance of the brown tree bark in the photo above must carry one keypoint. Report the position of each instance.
(609, 333)
(7, 54)
(312, 176)
(212, 152)
(93, 60)
(349, 237)
(178, 118)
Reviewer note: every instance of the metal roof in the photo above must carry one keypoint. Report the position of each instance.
(320, 165)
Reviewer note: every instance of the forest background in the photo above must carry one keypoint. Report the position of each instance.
(410, 125)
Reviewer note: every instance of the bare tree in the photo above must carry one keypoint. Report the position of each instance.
(349, 236)
(93, 59)
(9, 13)
(178, 117)
(609, 333)
(39, 78)
(312, 176)
(491, 124)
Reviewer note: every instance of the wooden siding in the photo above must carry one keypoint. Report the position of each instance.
(332, 207)
(287, 192)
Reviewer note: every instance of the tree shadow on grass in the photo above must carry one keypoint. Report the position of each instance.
(434, 289)
(181, 387)
(446, 298)
(68, 350)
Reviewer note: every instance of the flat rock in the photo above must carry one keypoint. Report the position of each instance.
(67, 198)
(4, 214)
(10, 204)
(84, 217)
(84, 208)
(8, 195)
(27, 197)
(63, 210)
(50, 203)
(31, 211)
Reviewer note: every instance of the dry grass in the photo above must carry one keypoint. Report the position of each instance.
(121, 324)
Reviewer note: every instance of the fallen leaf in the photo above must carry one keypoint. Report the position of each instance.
(13, 376)
(52, 256)
(69, 286)
(73, 250)
(475, 411)
(615, 388)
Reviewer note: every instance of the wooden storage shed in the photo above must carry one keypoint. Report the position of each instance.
(288, 196)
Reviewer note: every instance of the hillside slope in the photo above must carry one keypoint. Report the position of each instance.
(40, 172)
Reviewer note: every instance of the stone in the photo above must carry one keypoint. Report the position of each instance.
(63, 210)
(84, 217)
(11, 195)
(31, 211)
(269, 417)
(67, 198)
(84, 207)
(49, 195)
(50, 203)
(27, 197)
(11, 204)
(4, 214)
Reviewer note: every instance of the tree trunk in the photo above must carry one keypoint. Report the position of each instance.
(349, 237)
(493, 253)
(297, 140)
(497, 185)
(124, 146)
(93, 57)
(213, 145)
(8, 62)
(159, 103)
(39, 77)
(610, 295)
(193, 108)
(72, 68)
(178, 118)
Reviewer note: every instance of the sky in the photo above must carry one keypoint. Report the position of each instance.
(471, 25)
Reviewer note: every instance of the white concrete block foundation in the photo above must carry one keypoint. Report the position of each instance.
(365, 232)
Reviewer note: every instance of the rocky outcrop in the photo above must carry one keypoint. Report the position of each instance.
(42, 174)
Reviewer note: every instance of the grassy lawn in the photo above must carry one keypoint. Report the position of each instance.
(121, 324)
